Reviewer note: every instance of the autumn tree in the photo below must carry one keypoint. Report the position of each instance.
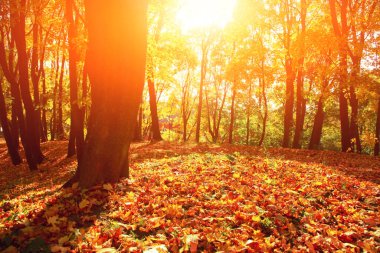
(116, 66)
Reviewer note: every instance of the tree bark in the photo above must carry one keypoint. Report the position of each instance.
(316, 135)
(31, 129)
(116, 67)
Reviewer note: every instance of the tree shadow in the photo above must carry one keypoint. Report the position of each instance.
(52, 220)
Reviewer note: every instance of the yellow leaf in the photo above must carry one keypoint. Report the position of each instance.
(131, 195)
(107, 187)
(256, 218)
(53, 220)
(63, 240)
(318, 183)
(236, 175)
(83, 203)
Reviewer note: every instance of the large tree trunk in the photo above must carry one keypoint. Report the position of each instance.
(32, 129)
(315, 139)
(377, 134)
(12, 147)
(116, 67)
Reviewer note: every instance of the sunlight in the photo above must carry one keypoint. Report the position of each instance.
(205, 13)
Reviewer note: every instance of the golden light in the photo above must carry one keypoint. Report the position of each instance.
(195, 14)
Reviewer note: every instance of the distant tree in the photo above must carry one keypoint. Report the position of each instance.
(205, 48)
(377, 136)
(9, 140)
(117, 33)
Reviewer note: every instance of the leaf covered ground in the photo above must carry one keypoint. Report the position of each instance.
(188, 198)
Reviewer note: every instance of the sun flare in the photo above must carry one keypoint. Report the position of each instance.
(205, 13)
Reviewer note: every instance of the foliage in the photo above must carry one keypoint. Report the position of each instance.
(186, 198)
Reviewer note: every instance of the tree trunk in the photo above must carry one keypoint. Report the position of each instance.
(248, 114)
(265, 118)
(60, 133)
(35, 76)
(354, 103)
(138, 129)
(289, 102)
(9, 140)
(341, 33)
(31, 129)
(316, 135)
(116, 67)
(300, 114)
(200, 101)
(43, 104)
(75, 131)
(156, 134)
(232, 119)
(377, 134)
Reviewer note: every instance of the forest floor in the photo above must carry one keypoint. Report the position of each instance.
(196, 198)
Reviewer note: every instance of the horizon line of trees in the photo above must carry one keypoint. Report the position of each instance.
(296, 74)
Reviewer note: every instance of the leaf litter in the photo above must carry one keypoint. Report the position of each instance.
(198, 198)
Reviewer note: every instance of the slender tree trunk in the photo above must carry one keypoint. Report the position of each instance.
(316, 135)
(35, 77)
(60, 134)
(75, 131)
(289, 102)
(265, 118)
(9, 140)
(377, 133)
(354, 103)
(138, 129)
(7, 67)
(200, 97)
(232, 114)
(248, 113)
(156, 134)
(341, 33)
(43, 105)
(184, 119)
(300, 114)
(116, 71)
